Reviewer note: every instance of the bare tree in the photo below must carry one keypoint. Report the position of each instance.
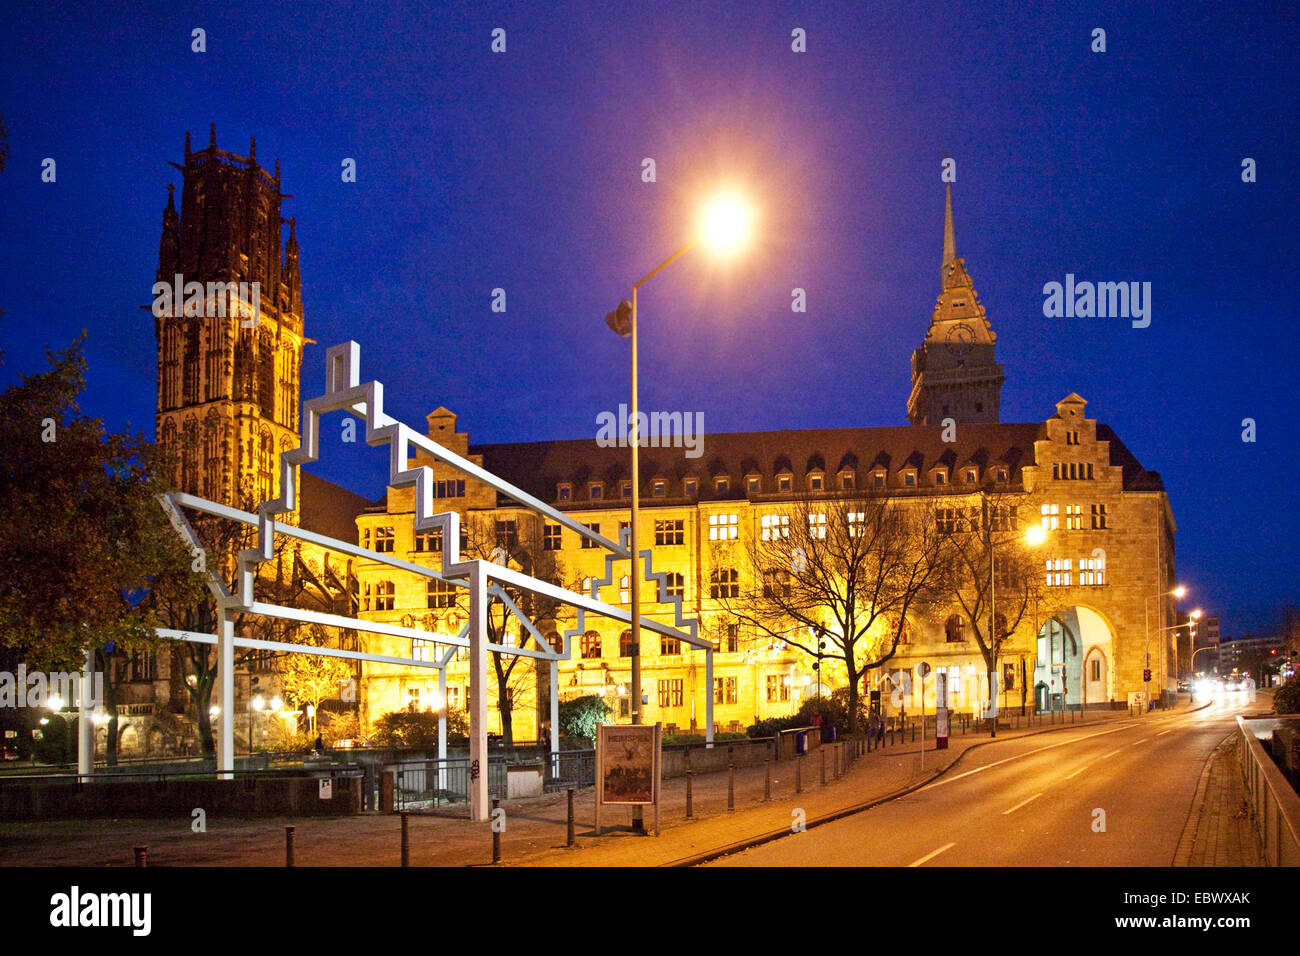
(845, 572)
(991, 574)
(516, 542)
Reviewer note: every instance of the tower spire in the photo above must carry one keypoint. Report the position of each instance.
(949, 243)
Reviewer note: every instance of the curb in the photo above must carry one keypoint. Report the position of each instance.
(833, 815)
(1187, 839)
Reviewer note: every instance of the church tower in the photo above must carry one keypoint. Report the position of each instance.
(954, 372)
(228, 373)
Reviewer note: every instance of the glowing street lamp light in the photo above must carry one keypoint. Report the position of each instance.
(54, 702)
(724, 226)
(1177, 592)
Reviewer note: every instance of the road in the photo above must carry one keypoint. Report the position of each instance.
(1116, 795)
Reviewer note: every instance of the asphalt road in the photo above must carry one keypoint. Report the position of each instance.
(1036, 801)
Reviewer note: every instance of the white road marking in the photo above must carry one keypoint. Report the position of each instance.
(1163, 732)
(931, 856)
(1021, 804)
(1112, 753)
(1077, 772)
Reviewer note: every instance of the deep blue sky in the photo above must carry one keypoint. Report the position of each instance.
(522, 171)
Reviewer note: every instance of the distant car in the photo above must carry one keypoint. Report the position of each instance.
(1184, 686)
(350, 743)
(8, 752)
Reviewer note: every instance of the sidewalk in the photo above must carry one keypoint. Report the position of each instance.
(1219, 831)
(536, 829)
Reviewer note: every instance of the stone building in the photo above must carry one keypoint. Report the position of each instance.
(228, 404)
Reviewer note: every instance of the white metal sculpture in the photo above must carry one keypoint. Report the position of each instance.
(484, 579)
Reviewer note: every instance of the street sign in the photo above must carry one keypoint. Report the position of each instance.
(326, 789)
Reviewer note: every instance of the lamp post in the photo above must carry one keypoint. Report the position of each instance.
(1033, 537)
(725, 226)
(1176, 592)
(257, 703)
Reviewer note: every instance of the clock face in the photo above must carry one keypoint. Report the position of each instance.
(961, 337)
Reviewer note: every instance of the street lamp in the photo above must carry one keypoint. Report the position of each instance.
(1177, 592)
(724, 226)
(257, 703)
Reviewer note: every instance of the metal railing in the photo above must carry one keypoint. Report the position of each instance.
(431, 783)
(1274, 804)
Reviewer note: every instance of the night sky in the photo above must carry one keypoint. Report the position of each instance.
(522, 171)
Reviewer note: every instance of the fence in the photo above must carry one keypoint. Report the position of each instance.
(1274, 804)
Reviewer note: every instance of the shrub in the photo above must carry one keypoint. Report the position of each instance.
(1286, 699)
(418, 729)
(580, 716)
(771, 726)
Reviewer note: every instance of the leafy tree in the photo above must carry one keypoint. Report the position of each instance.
(86, 554)
(580, 717)
(835, 578)
(310, 678)
(419, 729)
(1286, 699)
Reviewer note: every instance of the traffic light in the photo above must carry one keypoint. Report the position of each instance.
(1146, 675)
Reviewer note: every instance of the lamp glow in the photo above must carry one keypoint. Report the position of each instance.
(258, 702)
(1178, 591)
(54, 702)
(1035, 535)
(726, 225)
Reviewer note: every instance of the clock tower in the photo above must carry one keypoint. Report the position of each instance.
(954, 372)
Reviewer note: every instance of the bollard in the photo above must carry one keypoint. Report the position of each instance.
(141, 856)
(767, 780)
(288, 846)
(798, 775)
(914, 731)
(731, 786)
(496, 832)
(570, 793)
(690, 804)
(823, 753)
(406, 842)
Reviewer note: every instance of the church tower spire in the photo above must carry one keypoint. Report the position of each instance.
(955, 374)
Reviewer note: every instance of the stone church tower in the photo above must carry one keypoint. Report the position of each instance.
(228, 385)
(954, 372)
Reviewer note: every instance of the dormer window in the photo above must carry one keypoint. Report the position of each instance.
(691, 487)
(972, 476)
(909, 479)
(754, 484)
(596, 491)
(721, 485)
(564, 492)
(658, 488)
(783, 483)
(847, 480)
(878, 480)
(816, 482)
(940, 477)
(625, 489)
(1002, 475)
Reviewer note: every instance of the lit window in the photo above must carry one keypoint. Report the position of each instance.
(857, 522)
(590, 645)
(724, 527)
(1058, 572)
(624, 589)
(775, 526)
(659, 488)
(670, 692)
(421, 649)
(1050, 517)
(1092, 572)
(1073, 517)
(724, 690)
(817, 526)
(777, 688)
(878, 479)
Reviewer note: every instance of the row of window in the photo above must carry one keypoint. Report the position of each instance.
(1072, 471)
(591, 647)
(784, 483)
(1061, 572)
(1074, 518)
(954, 520)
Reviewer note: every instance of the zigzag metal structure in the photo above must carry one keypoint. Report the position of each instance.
(345, 392)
